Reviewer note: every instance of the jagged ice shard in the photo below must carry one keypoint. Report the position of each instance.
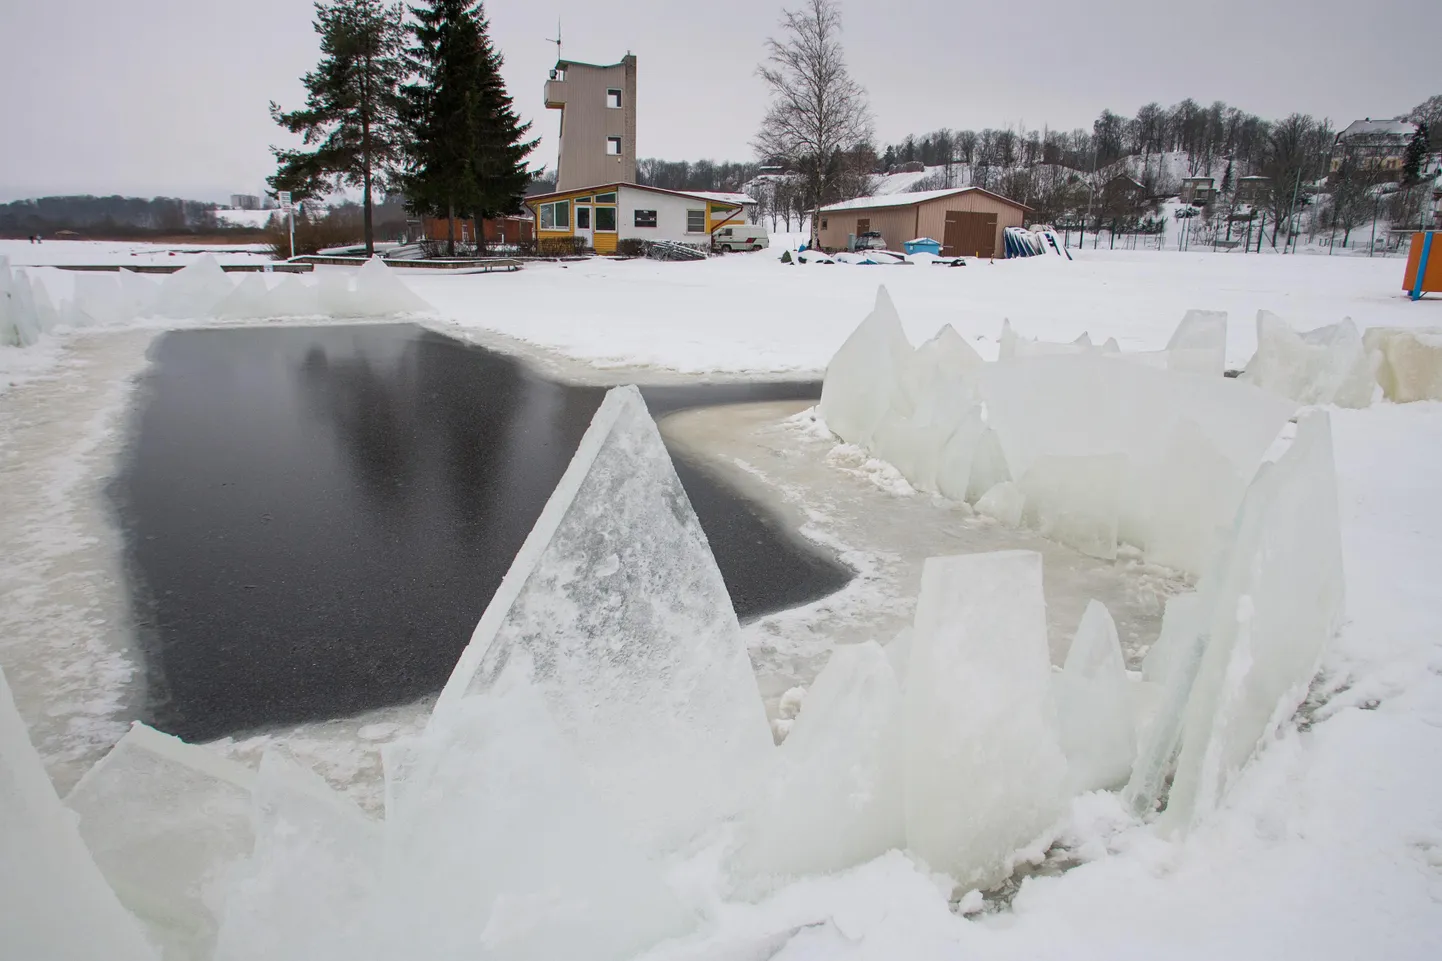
(503, 852)
(834, 799)
(614, 610)
(54, 903)
(984, 774)
(865, 379)
(1095, 705)
(1199, 344)
(1274, 601)
(164, 820)
(315, 866)
(1329, 365)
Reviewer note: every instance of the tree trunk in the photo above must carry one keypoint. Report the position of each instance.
(366, 158)
(451, 229)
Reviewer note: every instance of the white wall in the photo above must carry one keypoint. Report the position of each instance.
(670, 216)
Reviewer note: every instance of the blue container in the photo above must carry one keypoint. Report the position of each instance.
(922, 245)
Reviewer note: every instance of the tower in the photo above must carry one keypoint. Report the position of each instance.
(598, 122)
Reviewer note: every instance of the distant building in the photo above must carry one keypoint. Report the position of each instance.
(599, 217)
(968, 220)
(598, 122)
(1198, 190)
(245, 201)
(909, 167)
(1253, 190)
(498, 230)
(1373, 145)
(1123, 186)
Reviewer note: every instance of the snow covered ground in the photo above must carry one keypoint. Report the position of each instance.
(125, 253)
(1331, 845)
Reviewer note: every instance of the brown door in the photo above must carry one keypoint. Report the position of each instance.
(863, 224)
(969, 234)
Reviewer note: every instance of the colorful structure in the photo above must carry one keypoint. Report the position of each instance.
(1424, 265)
(599, 217)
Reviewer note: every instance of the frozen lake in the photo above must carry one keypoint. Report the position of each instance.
(314, 518)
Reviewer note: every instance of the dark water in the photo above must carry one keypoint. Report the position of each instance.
(315, 518)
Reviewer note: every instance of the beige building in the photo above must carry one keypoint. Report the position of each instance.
(968, 221)
(598, 122)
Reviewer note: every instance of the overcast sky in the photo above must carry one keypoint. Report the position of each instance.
(170, 96)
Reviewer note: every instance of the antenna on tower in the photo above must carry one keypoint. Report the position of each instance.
(557, 40)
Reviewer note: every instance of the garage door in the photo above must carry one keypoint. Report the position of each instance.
(969, 234)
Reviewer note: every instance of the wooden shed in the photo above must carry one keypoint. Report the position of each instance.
(967, 220)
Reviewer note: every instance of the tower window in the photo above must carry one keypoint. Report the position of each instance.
(613, 146)
(613, 98)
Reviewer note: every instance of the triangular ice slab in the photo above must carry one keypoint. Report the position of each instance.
(54, 903)
(628, 631)
(380, 293)
(165, 820)
(194, 290)
(1094, 705)
(865, 379)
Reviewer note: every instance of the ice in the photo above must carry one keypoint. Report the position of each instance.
(1073, 500)
(54, 903)
(1180, 626)
(864, 380)
(316, 864)
(194, 290)
(25, 315)
(1199, 344)
(1329, 365)
(954, 466)
(333, 292)
(1014, 346)
(164, 820)
(502, 851)
(1005, 503)
(942, 382)
(292, 297)
(98, 300)
(1095, 705)
(380, 293)
(988, 466)
(246, 301)
(1193, 496)
(137, 294)
(900, 442)
(616, 600)
(984, 774)
(835, 798)
(1275, 601)
(1410, 362)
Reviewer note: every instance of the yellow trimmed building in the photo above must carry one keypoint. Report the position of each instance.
(604, 215)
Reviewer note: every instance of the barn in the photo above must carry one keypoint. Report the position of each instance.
(967, 220)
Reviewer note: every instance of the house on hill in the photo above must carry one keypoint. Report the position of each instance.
(1198, 190)
(1373, 145)
(968, 220)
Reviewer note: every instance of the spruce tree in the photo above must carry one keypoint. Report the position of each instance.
(351, 121)
(467, 152)
(1416, 156)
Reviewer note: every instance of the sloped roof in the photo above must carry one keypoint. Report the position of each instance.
(722, 196)
(1378, 128)
(606, 188)
(911, 199)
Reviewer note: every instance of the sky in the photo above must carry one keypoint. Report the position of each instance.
(171, 97)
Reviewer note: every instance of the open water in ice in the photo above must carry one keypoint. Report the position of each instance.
(314, 518)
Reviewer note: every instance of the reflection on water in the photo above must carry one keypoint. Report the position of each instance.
(315, 518)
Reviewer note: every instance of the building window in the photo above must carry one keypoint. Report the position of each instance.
(613, 146)
(556, 216)
(606, 198)
(613, 99)
(645, 218)
(606, 219)
(823, 223)
(583, 218)
(695, 221)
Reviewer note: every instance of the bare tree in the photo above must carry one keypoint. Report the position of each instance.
(817, 110)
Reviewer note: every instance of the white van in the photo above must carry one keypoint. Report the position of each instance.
(741, 237)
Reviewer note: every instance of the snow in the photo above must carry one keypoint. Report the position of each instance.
(1327, 843)
(894, 199)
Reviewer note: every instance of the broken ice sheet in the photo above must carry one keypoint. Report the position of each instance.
(984, 774)
(165, 820)
(629, 634)
(1095, 705)
(865, 379)
(54, 903)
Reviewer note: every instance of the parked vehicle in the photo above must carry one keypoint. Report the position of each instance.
(742, 237)
(871, 240)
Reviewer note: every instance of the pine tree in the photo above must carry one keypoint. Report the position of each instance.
(350, 122)
(467, 153)
(1416, 156)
